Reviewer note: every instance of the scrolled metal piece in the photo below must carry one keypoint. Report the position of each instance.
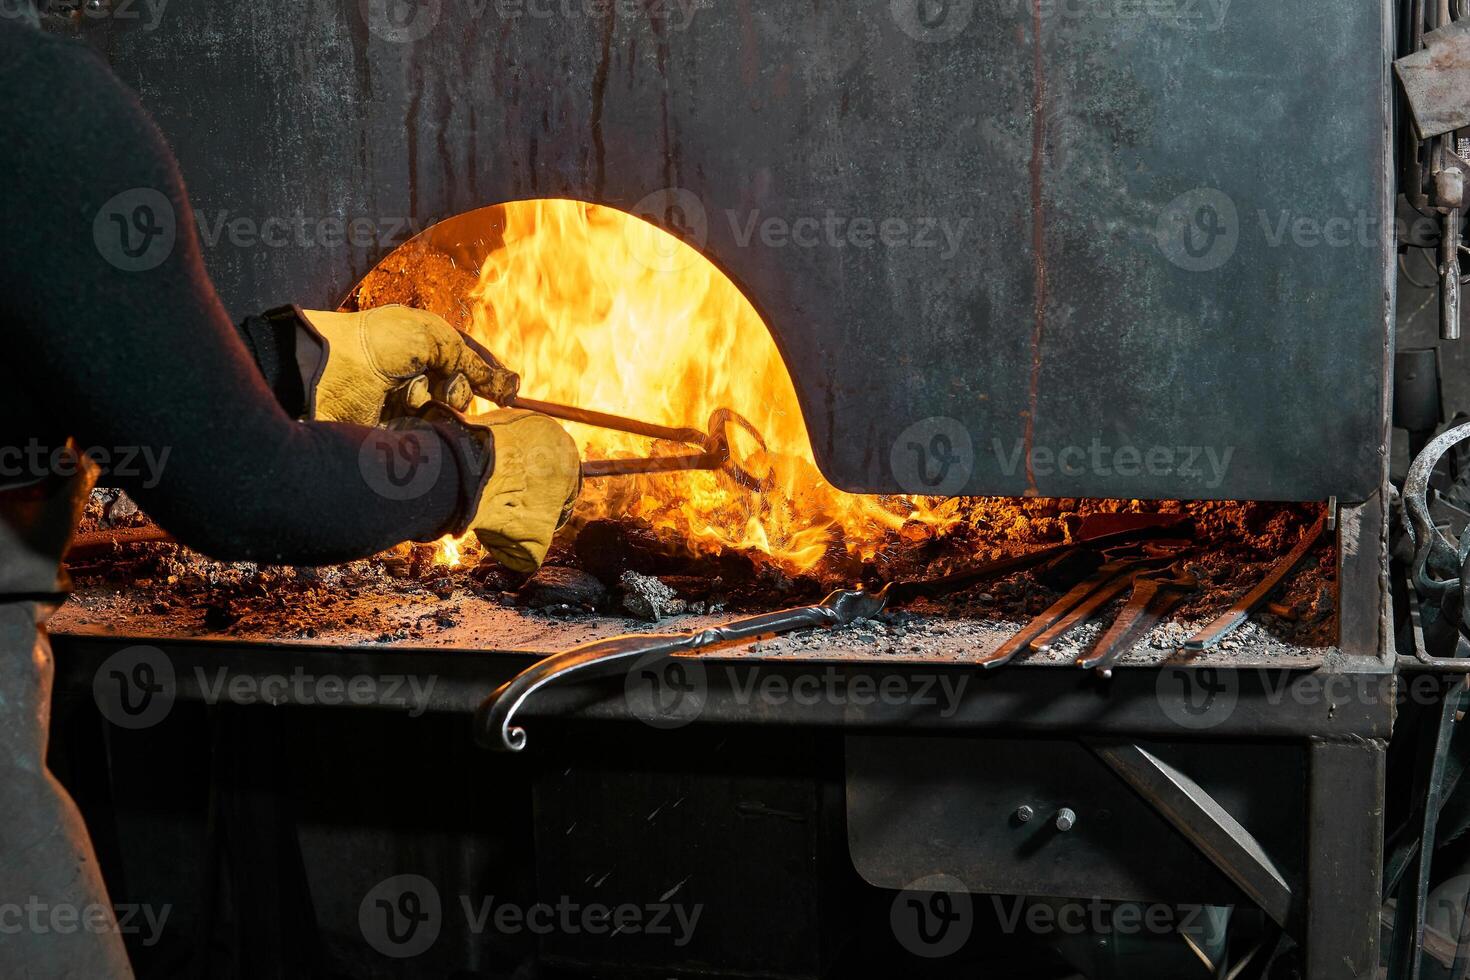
(1434, 554)
(494, 719)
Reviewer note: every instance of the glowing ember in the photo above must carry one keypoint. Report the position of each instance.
(600, 309)
(448, 551)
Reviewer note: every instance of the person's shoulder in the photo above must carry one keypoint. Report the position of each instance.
(62, 98)
(28, 51)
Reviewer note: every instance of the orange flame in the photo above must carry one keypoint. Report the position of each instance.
(602, 310)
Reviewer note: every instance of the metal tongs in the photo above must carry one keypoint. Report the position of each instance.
(714, 444)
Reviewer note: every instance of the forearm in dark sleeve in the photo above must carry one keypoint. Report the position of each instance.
(149, 358)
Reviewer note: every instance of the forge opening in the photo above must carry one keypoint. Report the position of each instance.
(602, 310)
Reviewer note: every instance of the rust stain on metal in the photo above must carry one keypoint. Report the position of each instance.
(1038, 238)
(599, 96)
(415, 107)
(671, 147)
(750, 60)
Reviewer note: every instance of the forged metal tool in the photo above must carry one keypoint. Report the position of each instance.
(1113, 575)
(1084, 610)
(1231, 620)
(714, 443)
(494, 719)
(605, 658)
(1154, 597)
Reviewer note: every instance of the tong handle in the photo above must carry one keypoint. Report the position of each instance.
(603, 420)
(596, 469)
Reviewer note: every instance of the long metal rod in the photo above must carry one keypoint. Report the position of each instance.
(1231, 620)
(619, 423)
(1150, 603)
(1083, 611)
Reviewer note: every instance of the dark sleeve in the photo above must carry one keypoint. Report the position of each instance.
(119, 333)
(271, 340)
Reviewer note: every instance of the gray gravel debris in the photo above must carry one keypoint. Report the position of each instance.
(647, 598)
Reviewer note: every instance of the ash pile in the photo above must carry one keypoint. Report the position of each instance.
(629, 570)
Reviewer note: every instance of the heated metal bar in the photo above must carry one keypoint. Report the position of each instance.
(1084, 611)
(1151, 601)
(1237, 614)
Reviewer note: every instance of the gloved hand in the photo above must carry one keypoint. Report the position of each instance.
(530, 489)
(396, 349)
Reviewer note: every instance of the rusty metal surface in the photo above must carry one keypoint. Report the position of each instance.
(1030, 228)
(1436, 80)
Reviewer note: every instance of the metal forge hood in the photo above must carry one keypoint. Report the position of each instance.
(1027, 249)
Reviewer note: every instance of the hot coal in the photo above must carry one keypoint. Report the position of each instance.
(553, 587)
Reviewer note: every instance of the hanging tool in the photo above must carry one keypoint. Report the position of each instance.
(713, 443)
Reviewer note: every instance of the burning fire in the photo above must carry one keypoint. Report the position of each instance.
(602, 310)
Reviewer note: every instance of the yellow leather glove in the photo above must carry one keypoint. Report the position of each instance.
(394, 349)
(531, 489)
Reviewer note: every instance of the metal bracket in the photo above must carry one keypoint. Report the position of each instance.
(1203, 822)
